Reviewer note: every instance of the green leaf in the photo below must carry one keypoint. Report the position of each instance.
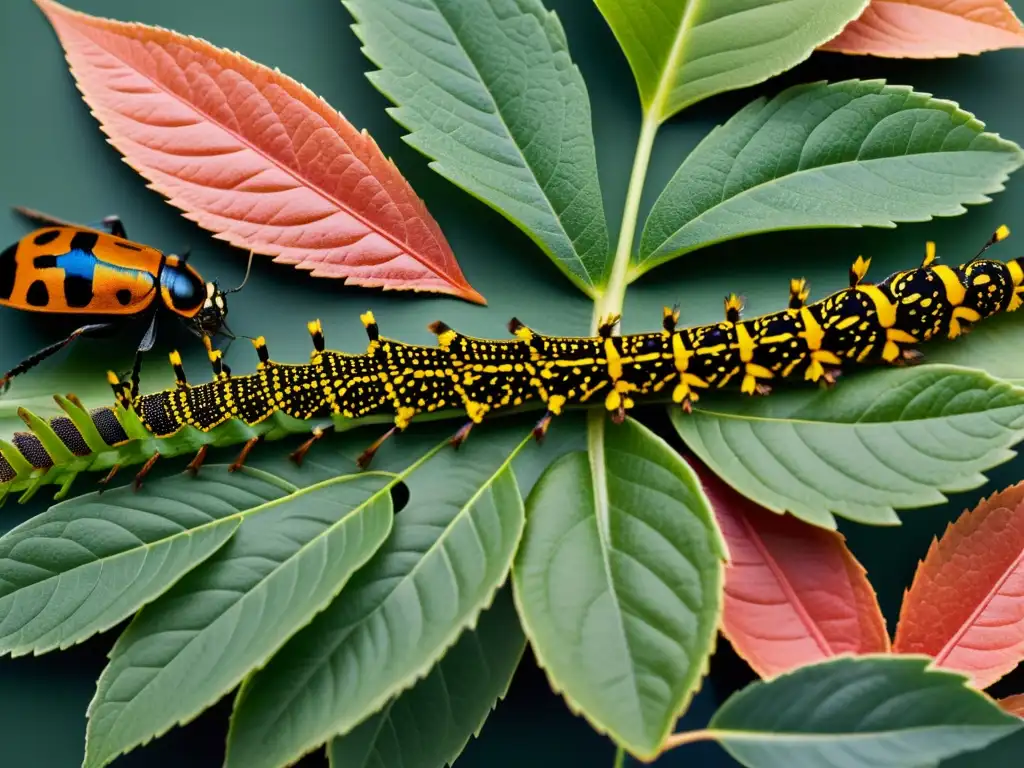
(880, 441)
(682, 51)
(429, 725)
(86, 564)
(882, 711)
(185, 650)
(618, 583)
(489, 91)
(1006, 751)
(993, 346)
(850, 154)
(450, 550)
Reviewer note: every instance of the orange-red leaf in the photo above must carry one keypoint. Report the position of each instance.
(794, 593)
(965, 606)
(929, 29)
(1013, 704)
(255, 157)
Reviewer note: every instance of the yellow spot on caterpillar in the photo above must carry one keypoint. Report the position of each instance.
(1002, 233)
(404, 416)
(961, 313)
(614, 360)
(444, 340)
(864, 353)
(314, 326)
(175, 358)
(112, 378)
(982, 279)
(955, 291)
(799, 290)
(475, 411)
(886, 309)
(746, 344)
(367, 319)
(555, 403)
(846, 322)
(812, 331)
(929, 254)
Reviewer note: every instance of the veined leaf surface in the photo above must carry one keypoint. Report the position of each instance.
(429, 724)
(618, 583)
(488, 90)
(965, 607)
(192, 645)
(682, 51)
(882, 711)
(450, 550)
(928, 29)
(894, 439)
(850, 154)
(88, 563)
(794, 593)
(250, 154)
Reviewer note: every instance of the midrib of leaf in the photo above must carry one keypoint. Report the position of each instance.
(400, 246)
(675, 55)
(463, 512)
(271, 574)
(984, 604)
(723, 734)
(602, 514)
(587, 289)
(794, 599)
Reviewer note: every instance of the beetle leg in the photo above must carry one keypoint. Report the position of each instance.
(35, 359)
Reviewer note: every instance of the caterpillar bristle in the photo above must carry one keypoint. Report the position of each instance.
(867, 324)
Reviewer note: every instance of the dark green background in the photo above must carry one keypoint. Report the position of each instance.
(53, 157)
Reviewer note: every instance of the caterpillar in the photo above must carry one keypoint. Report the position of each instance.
(866, 323)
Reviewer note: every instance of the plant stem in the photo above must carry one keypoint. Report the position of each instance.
(610, 299)
(620, 758)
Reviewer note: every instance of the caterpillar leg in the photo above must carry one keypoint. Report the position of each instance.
(300, 453)
(249, 445)
(367, 456)
(541, 428)
(104, 482)
(141, 474)
(460, 436)
(197, 462)
(37, 357)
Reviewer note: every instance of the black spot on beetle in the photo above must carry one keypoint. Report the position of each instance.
(44, 262)
(127, 246)
(8, 271)
(84, 241)
(46, 237)
(77, 290)
(124, 297)
(37, 295)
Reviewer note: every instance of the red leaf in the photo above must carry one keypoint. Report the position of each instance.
(966, 604)
(255, 157)
(1013, 704)
(929, 29)
(794, 593)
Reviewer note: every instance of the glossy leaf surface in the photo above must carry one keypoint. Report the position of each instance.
(429, 724)
(449, 551)
(882, 711)
(618, 584)
(195, 643)
(880, 441)
(682, 51)
(488, 90)
(965, 607)
(250, 154)
(850, 154)
(927, 29)
(794, 593)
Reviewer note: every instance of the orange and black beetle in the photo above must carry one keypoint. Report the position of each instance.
(65, 268)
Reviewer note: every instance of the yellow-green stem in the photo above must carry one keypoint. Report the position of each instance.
(620, 758)
(609, 301)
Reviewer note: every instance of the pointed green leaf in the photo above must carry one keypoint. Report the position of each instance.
(185, 650)
(429, 725)
(880, 441)
(682, 51)
(618, 583)
(850, 154)
(450, 550)
(879, 711)
(86, 564)
(489, 91)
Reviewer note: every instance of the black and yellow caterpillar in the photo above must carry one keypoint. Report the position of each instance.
(863, 324)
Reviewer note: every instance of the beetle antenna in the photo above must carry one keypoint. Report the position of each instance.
(245, 279)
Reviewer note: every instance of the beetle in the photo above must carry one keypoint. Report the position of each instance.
(69, 269)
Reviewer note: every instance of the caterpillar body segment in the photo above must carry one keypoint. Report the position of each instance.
(395, 383)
